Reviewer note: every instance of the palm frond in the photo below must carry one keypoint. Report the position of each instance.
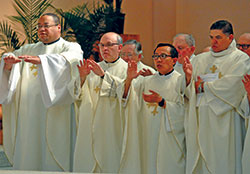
(9, 40)
(29, 12)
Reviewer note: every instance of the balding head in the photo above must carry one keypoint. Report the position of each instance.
(110, 46)
(185, 44)
(243, 43)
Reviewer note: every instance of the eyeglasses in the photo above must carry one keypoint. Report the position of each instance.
(126, 54)
(162, 56)
(243, 46)
(45, 26)
(101, 45)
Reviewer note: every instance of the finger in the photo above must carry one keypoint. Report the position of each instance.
(187, 59)
(81, 63)
(244, 82)
(145, 97)
(153, 92)
(247, 77)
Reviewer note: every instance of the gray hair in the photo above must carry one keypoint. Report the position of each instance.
(119, 39)
(138, 47)
(188, 38)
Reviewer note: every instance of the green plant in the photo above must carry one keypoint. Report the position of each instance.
(28, 12)
(87, 23)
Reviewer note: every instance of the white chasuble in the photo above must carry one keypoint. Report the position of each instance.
(154, 137)
(213, 126)
(100, 122)
(141, 66)
(37, 106)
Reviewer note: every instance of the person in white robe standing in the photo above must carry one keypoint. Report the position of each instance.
(132, 50)
(155, 138)
(39, 82)
(100, 122)
(214, 123)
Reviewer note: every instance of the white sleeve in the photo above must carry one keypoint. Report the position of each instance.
(54, 74)
(9, 81)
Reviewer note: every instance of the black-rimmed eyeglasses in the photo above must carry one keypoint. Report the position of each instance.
(243, 46)
(162, 56)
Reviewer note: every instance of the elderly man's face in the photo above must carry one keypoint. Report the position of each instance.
(48, 30)
(109, 47)
(164, 65)
(128, 53)
(244, 44)
(182, 47)
(219, 40)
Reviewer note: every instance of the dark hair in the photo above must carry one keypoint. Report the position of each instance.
(138, 47)
(223, 25)
(54, 16)
(173, 51)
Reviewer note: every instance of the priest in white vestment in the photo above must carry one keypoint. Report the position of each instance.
(154, 138)
(132, 50)
(39, 82)
(100, 122)
(214, 124)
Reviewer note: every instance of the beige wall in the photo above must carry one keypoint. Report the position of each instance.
(159, 20)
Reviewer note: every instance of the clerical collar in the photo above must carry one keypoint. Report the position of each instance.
(113, 61)
(52, 42)
(166, 74)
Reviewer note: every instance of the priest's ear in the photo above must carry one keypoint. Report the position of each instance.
(174, 60)
(231, 36)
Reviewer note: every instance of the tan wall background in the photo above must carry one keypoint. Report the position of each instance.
(159, 20)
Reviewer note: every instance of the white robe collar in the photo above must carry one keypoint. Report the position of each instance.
(229, 50)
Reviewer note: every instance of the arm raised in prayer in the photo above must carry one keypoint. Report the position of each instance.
(188, 69)
(131, 74)
(154, 98)
(96, 68)
(246, 82)
(84, 70)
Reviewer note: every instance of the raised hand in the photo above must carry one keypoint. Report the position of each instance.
(188, 69)
(132, 70)
(9, 61)
(83, 69)
(31, 59)
(146, 72)
(154, 97)
(96, 68)
(198, 83)
(131, 74)
(246, 82)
